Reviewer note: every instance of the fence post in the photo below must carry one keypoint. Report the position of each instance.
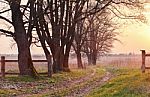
(3, 66)
(143, 61)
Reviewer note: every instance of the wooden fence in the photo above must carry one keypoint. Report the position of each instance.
(3, 63)
(144, 55)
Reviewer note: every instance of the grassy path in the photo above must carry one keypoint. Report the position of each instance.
(77, 82)
(88, 87)
(59, 89)
(77, 87)
(92, 82)
(100, 82)
(24, 86)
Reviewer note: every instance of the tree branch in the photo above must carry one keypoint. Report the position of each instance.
(4, 11)
(7, 33)
(7, 20)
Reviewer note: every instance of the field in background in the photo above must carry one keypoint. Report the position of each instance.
(13, 66)
(131, 61)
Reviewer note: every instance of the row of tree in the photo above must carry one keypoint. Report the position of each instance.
(59, 25)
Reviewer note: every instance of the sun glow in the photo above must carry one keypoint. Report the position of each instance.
(135, 36)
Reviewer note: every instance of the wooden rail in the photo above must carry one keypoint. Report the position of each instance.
(3, 66)
(144, 55)
(3, 61)
(32, 60)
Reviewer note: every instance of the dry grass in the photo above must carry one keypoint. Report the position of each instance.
(124, 61)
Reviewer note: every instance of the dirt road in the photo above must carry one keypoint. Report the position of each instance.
(79, 87)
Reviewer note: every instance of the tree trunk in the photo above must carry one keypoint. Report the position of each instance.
(30, 65)
(61, 59)
(66, 58)
(50, 69)
(24, 58)
(66, 65)
(21, 39)
(89, 59)
(79, 60)
(56, 60)
(94, 58)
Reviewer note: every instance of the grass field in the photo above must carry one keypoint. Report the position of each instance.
(125, 80)
(125, 83)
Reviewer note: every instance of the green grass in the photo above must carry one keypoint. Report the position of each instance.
(7, 93)
(20, 79)
(126, 83)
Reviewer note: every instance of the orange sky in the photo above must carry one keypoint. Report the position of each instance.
(133, 37)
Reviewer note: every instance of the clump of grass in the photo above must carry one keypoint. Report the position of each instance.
(20, 78)
(7, 92)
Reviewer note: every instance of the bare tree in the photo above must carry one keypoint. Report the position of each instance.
(80, 36)
(20, 36)
(56, 22)
(100, 37)
(97, 31)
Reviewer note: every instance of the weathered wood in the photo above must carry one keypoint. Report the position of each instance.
(11, 60)
(144, 55)
(3, 66)
(147, 55)
(39, 60)
(143, 61)
(13, 73)
(32, 60)
(147, 67)
(3, 61)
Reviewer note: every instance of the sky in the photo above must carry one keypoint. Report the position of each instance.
(133, 37)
